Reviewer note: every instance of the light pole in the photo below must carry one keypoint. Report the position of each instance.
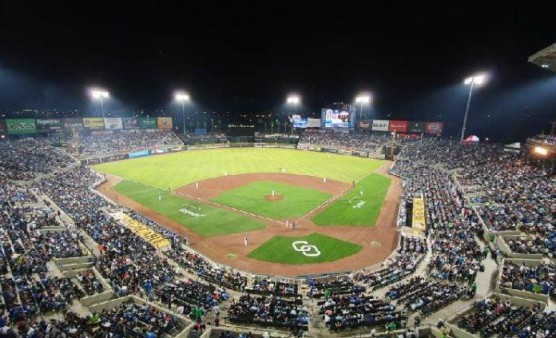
(293, 100)
(472, 81)
(182, 98)
(100, 95)
(362, 99)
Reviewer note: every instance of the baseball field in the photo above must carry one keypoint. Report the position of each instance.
(253, 196)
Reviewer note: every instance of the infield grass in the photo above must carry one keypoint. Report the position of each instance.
(279, 249)
(181, 168)
(215, 222)
(354, 208)
(296, 202)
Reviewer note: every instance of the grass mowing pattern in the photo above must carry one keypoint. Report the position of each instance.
(343, 211)
(279, 249)
(216, 222)
(296, 202)
(181, 168)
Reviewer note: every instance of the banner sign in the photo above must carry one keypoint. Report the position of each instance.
(418, 215)
(298, 121)
(380, 125)
(155, 239)
(164, 122)
(434, 128)
(416, 127)
(138, 154)
(130, 123)
(397, 126)
(147, 122)
(313, 123)
(2, 129)
(112, 123)
(49, 125)
(93, 122)
(368, 124)
(73, 123)
(21, 126)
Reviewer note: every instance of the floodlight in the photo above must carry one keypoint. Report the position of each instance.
(99, 94)
(181, 97)
(541, 151)
(477, 79)
(293, 99)
(363, 99)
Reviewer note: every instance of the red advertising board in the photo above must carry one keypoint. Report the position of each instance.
(398, 126)
(434, 128)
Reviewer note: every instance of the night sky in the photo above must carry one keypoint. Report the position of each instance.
(247, 56)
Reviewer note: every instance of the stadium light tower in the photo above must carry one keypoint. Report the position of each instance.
(362, 99)
(293, 100)
(99, 94)
(472, 81)
(182, 98)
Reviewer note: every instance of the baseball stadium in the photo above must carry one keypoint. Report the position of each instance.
(344, 222)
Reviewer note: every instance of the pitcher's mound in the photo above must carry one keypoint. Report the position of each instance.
(273, 198)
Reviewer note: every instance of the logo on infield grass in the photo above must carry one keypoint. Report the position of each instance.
(305, 248)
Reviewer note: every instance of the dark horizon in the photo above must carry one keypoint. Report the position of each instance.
(246, 57)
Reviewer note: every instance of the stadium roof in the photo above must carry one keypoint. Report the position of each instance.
(545, 58)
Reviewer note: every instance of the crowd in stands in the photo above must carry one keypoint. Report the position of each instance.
(126, 141)
(493, 316)
(355, 141)
(534, 278)
(23, 160)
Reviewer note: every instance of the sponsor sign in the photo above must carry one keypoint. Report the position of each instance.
(418, 219)
(434, 127)
(49, 125)
(147, 122)
(130, 123)
(112, 123)
(2, 129)
(138, 154)
(397, 126)
(380, 125)
(72, 123)
(164, 122)
(306, 249)
(416, 127)
(21, 126)
(313, 123)
(153, 238)
(298, 121)
(93, 122)
(368, 124)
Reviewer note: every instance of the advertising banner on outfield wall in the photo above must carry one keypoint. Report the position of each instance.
(21, 126)
(164, 122)
(130, 123)
(112, 123)
(398, 126)
(93, 122)
(73, 123)
(2, 129)
(49, 125)
(380, 125)
(313, 123)
(366, 124)
(147, 122)
(434, 128)
(416, 127)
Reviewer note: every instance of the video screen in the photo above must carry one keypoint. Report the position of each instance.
(333, 118)
(298, 121)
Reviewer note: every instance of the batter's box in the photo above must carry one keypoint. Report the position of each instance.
(231, 256)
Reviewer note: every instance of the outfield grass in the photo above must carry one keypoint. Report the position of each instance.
(279, 249)
(354, 208)
(181, 168)
(296, 202)
(216, 222)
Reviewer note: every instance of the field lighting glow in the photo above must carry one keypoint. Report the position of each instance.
(294, 99)
(477, 79)
(181, 97)
(99, 94)
(540, 151)
(364, 99)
